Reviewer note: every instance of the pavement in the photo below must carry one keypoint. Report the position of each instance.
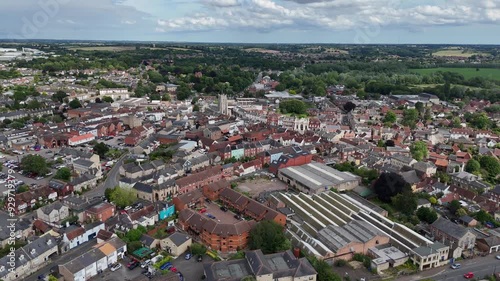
(190, 269)
(60, 259)
(480, 266)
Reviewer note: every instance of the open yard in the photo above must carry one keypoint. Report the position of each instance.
(102, 48)
(258, 185)
(492, 73)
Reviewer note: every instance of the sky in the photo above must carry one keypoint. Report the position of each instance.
(255, 21)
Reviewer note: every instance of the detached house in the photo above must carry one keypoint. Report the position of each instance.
(53, 213)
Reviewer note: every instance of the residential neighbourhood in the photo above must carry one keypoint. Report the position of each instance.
(123, 176)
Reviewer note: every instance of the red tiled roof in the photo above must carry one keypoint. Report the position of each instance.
(81, 137)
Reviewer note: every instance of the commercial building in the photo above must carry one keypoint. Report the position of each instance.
(333, 226)
(314, 178)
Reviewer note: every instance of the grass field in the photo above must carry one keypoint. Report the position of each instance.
(492, 73)
(456, 53)
(103, 48)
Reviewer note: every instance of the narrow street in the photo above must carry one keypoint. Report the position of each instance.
(111, 179)
(480, 266)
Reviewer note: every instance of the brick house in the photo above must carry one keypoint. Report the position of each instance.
(453, 235)
(290, 160)
(191, 199)
(61, 187)
(100, 212)
(217, 236)
(212, 190)
(213, 133)
(199, 179)
(250, 207)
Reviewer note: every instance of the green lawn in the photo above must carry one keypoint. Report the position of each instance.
(492, 73)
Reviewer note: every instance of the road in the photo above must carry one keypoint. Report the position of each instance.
(111, 180)
(480, 266)
(68, 256)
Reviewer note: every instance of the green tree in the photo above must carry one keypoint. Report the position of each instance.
(454, 206)
(53, 278)
(34, 164)
(269, 236)
(134, 235)
(123, 197)
(196, 107)
(433, 200)
(155, 76)
(472, 166)
(23, 188)
(406, 202)
(410, 117)
(491, 165)
(101, 149)
(461, 212)
(323, 269)
(390, 117)
(293, 106)
(427, 214)
(75, 103)
(419, 106)
(198, 249)
(107, 99)
(419, 150)
(63, 174)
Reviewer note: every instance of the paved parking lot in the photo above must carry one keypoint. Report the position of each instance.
(190, 269)
(226, 217)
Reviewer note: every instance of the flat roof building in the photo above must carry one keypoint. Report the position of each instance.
(314, 178)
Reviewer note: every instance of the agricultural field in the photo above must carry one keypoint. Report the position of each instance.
(103, 48)
(457, 53)
(491, 73)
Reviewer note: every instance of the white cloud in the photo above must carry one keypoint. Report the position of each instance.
(130, 22)
(332, 14)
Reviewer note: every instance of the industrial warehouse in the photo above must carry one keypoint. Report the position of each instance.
(334, 226)
(315, 178)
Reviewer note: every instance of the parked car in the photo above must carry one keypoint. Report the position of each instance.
(166, 265)
(224, 209)
(203, 211)
(200, 258)
(145, 263)
(497, 257)
(116, 266)
(133, 264)
(188, 256)
(455, 266)
(469, 275)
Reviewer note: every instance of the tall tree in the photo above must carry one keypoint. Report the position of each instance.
(75, 103)
(389, 185)
(349, 106)
(63, 174)
(123, 197)
(269, 237)
(419, 150)
(34, 164)
(472, 166)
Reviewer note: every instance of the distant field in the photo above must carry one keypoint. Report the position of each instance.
(261, 50)
(103, 48)
(492, 73)
(456, 53)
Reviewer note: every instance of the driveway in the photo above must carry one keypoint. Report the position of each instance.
(122, 274)
(190, 269)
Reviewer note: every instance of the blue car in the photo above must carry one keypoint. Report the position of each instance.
(166, 265)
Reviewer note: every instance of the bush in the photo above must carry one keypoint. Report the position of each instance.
(340, 263)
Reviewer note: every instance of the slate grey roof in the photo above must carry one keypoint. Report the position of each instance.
(452, 229)
(84, 260)
(337, 237)
(410, 177)
(83, 162)
(143, 187)
(47, 209)
(147, 240)
(179, 238)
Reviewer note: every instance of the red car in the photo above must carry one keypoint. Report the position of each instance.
(173, 269)
(203, 211)
(469, 275)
